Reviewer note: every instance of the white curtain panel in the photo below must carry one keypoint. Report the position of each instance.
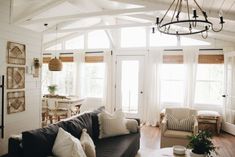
(190, 64)
(151, 111)
(107, 96)
(79, 59)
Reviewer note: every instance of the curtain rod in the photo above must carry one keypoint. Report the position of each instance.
(94, 52)
(210, 49)
(59, 53)
(173, 50)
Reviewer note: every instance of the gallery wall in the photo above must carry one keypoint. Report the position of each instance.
(28, 119)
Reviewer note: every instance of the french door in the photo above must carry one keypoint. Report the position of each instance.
(229, 97)
(129, 84)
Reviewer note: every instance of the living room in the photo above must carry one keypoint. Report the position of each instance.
(137, 78)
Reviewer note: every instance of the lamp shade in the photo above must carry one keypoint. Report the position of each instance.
(55, 64)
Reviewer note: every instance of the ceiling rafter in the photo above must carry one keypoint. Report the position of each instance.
(27, 15)
(63, 24)
(91, 14)
(101, 27)
(108, 21)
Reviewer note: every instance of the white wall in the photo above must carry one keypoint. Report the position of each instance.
(30, 118)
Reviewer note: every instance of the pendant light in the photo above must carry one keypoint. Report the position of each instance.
(55, 64)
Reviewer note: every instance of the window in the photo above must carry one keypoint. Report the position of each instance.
(209, 84)
(55, 47)
(192, 42)
(63, 79)
(158, 39)
(98, 39)
(133, 37)
(75, 43)
(172, 76)
(172, 83)
(94, 80)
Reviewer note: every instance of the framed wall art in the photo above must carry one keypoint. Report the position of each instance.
(15, 102)
(15, 77)
(16, 53)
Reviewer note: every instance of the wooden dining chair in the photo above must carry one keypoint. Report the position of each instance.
(55, 112)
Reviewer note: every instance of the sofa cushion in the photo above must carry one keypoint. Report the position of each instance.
(78, 123)
(112, 124)
(39, 142)
(118, 146)
(177, 134)
(95, 122)
(67, 145)
(87, 144)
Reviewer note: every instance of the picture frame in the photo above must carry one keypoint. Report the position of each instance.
(15, 77)
(15, 102)
(16, 53)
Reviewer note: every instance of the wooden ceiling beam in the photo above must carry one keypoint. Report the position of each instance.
(101, 27)
(28, 15)
(90, 15)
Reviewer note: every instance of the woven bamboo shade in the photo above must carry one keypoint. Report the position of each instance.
(55, 64)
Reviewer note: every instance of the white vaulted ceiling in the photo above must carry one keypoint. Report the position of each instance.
(73, 16)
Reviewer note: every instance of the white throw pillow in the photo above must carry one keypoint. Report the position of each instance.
(67, 146)
(183, 124)
(87, 144)
(112, 124)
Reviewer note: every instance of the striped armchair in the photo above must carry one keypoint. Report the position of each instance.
(177, 135)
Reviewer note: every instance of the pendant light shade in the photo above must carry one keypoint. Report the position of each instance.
(55, 64)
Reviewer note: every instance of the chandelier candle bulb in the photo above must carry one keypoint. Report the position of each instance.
(195, 13)
(153, 30)
(221, 20)
(157, 20)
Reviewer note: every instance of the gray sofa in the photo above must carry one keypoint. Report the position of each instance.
(39, 142)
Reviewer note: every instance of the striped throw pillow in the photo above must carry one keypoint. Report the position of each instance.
(182, 125)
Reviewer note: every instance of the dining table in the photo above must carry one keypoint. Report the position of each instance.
(71, 103)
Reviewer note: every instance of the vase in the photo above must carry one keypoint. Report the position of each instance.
(192, 154)
(52, 92)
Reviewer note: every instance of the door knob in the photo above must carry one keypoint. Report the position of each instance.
(141, 92)
(224, 96)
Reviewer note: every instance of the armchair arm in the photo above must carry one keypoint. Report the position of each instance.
(163, 125)
(195, 126)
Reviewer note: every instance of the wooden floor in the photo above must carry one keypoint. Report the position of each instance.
(150, 143)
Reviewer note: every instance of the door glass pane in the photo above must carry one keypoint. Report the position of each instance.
(130, 86)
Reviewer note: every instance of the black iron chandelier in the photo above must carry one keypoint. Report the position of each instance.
(177, 21)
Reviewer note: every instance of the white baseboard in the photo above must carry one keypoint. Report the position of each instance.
(228, 127)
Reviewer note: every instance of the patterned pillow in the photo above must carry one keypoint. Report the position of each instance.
(182, 125)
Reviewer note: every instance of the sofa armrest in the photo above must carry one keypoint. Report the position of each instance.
(195, 126)
(15, 147)
(137, 119)
(163, 125)
(133, 125)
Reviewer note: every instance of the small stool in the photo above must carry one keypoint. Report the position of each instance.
(206, 119)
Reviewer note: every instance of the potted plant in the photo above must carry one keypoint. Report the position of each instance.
(201, 144)
(52, 89)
